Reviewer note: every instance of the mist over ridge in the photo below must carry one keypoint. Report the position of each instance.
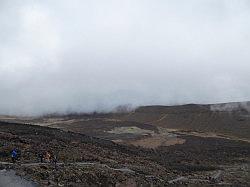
(85, 56)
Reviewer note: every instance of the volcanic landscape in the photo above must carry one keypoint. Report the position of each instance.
(190, 145)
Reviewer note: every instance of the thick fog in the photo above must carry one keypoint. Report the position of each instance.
(83, 56)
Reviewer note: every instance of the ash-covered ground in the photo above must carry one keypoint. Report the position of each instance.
(156, 145)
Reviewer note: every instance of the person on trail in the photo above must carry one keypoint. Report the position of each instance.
(14, 155)
(18, 154)
(55, 161)
(47, 156)
(41, 156)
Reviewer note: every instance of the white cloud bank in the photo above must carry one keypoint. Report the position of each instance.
(60, 55)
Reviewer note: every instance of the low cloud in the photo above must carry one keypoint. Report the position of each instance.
(83, 56)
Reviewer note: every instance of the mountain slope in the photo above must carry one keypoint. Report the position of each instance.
(226, 119)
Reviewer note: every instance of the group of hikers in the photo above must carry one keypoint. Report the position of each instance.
(47, 157)
(44, 156)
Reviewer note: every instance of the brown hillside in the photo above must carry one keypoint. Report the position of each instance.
(232, 120)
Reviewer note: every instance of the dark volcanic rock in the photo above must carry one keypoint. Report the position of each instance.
(89, 161)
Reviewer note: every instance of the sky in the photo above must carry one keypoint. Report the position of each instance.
(84, 56)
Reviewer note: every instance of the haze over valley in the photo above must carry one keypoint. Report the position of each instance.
(124, 93)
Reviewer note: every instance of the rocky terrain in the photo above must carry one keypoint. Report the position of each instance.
(154, 145)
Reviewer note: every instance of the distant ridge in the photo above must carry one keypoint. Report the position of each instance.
(229, 119)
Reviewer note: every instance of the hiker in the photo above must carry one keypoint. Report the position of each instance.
(55, 161)
(18, 154)
(41, 156)
(47, 156)
(14, 155)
